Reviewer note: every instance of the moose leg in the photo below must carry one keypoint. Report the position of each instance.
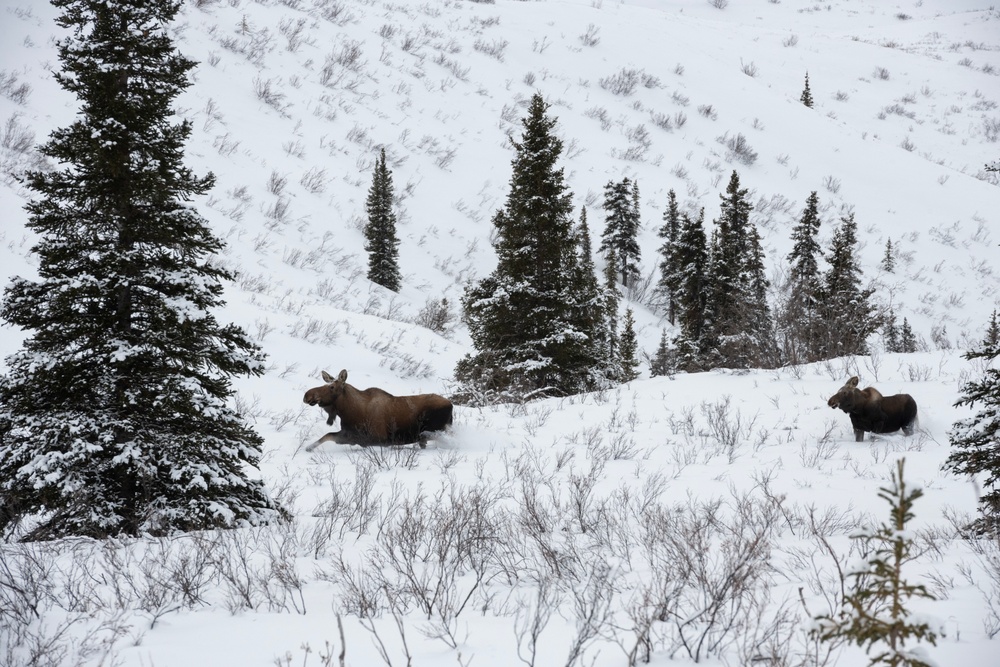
(859, 435)
(340, 437)
(908, 429)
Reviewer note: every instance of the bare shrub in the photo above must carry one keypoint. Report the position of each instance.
(437, 316)
(624, 82)
(494, 48)
(12, 89)
(708, 111)
(739, 149)
(590, 37)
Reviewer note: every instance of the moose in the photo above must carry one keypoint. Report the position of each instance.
(872, 412)
(376, 417)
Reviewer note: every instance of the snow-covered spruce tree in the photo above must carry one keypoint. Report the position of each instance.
(907, 339)
(381, 241)
(739, 328)
(115, 414)
(628, 360)
(661, 363)
(667, 287)
(610, 302)
(799, 320)
(523, 317)
(806, 97)
(849, 316)
(589, 307)
(621, 227)
(890, 333)
(976, 441)
(876, 612)
(691, 271)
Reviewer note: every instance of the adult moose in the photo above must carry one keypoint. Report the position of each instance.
(872, 412)
(376, 417)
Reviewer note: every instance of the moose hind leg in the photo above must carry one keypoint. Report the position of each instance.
(859, 435)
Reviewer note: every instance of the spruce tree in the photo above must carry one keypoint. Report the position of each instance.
(691, 270)
(381, 241)
(761, 350)
(621, 227)
(661, 363)
(889, 258)
(521, 316)
(667, 287)
(849, 315)
(890, 332)
(115, 416)
(800, 318)
(737, 309)
(806, 98)
(907, 340)
(975, 441)
(612, 298)
(628, 360)
(876, 613)
(588, 299)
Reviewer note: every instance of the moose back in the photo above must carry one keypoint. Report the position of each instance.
(376, 417)
(872, 412)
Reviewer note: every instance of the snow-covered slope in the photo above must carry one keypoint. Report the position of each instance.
(290, 104)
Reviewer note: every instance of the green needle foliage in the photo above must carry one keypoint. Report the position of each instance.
(116, 415)
(876, 614)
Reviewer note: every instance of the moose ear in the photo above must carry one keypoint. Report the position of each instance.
(327, 377)
(853, 382)
(343, 375)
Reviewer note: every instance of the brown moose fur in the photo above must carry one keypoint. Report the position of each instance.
(375, 417)
(872, 412)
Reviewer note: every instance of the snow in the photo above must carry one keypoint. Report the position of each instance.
(905, 153)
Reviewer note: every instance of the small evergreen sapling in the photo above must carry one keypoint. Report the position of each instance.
(889, 258)
(806, 98)
(875, 612)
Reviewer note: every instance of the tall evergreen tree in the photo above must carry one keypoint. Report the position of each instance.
(612, 298)
(667, 286)
(800, 318)
(588, 300)
(381, 241)
(735, 318)
(521, 316)
(115, 415)
(975, 440)
(621, 227)
(761, 349)
(849, 315)
(691, 269)
(806, 98)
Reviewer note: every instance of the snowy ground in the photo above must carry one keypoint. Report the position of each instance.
(577, 506)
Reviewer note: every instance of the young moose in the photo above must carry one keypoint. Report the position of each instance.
(376, 417)
(872, 412)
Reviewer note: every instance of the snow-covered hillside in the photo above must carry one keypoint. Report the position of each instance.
(290, 104)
